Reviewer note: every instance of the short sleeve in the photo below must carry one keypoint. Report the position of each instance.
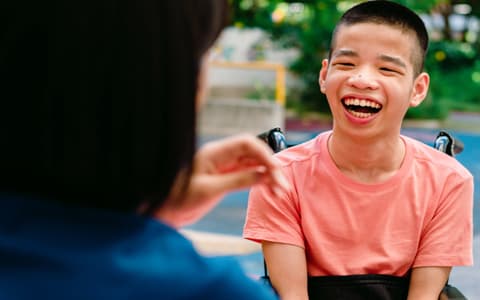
(447, 237)
(273, 218)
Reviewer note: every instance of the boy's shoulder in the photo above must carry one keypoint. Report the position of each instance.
(426, 154)
(304, 152)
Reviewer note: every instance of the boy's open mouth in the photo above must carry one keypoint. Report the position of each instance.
(361, 108)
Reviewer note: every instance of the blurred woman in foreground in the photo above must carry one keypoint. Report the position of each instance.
(98, 144)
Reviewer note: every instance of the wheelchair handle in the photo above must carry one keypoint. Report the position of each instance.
(446, 143)
(275, 139)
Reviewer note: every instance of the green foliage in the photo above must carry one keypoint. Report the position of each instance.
(314, 40)
(261, 92)
(447, 56)
(309, 31)
(429, 109)
(455, 72)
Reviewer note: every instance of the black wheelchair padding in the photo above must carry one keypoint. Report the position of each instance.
(368, 286)
(364, 287)
(358, 287)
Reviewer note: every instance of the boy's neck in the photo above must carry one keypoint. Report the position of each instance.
(367, 161)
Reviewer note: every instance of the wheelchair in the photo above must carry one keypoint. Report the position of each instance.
(378, 286)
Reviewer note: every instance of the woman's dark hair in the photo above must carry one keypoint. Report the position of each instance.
(98, 97)
(392, 14)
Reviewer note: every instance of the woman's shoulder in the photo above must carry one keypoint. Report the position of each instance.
(178, 271)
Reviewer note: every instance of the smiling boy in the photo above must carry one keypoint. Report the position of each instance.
(366, 204)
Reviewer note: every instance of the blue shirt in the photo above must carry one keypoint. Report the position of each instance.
(51, 251)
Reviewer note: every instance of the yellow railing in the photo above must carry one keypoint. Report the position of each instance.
(279, 69)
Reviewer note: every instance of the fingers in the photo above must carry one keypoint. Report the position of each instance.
(219, 184)
(224, 166)
(242, 147)
(244, 153)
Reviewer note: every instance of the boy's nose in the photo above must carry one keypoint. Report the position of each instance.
(362, 81)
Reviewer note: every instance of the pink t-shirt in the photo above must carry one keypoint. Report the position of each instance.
(421, 216)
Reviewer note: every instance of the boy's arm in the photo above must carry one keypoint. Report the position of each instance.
(287, 268)
(427, 282)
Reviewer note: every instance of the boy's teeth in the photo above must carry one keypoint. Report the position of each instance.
(360, 114)
(361, 108)
(362, 103)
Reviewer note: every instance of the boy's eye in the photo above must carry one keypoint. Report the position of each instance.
(390, 70)
(343, 64)
(387, 69)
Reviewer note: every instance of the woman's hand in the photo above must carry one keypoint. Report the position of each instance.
(219, 167)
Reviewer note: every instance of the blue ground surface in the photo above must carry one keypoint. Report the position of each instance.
(228, 217)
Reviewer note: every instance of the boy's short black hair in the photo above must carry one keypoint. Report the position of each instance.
(389, 13)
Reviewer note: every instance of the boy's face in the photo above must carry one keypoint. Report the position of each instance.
(369, 81)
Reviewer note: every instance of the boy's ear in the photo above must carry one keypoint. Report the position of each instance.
(323, 75)
(420, 89)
